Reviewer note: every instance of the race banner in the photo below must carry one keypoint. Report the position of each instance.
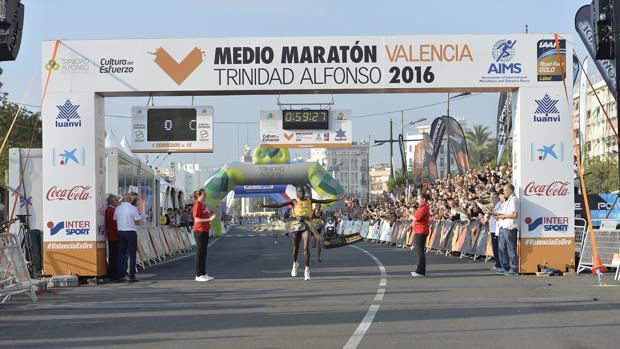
(458, 144)
(576, 69)
(438, 128)
(339, 241)
(504, 122)
(424, 165)
(607, 68)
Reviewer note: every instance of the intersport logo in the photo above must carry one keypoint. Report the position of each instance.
(555, 188)
(76, 193)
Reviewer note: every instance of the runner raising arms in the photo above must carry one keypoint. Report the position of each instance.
(302, 211)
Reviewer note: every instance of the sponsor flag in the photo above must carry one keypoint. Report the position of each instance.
(401, 146)
(438, 128)
(458, 144)
(423, 161)
(583, 111)
(504, 122)
(607, 68)
(576, 68)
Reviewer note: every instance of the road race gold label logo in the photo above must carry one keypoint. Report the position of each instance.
(178, 71)
(548, 63)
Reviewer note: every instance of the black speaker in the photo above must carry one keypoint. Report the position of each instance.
(11, 25)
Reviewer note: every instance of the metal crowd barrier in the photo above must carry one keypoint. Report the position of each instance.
(157, 243)
(607, 243)
(14, 275)
(466, 238)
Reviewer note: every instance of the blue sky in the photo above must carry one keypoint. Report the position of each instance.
(81, 19)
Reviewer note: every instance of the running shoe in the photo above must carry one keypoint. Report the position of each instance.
(209, 278)
(294, 270)
(416, 275)
(307, 274)
(511, 273)
(201, 278)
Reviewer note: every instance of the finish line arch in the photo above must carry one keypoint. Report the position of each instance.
(269, 167)
(84, 72)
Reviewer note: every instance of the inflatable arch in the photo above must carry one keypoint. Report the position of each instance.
(270, 166)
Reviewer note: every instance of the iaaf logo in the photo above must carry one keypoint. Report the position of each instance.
(76, 193)
(555, 188)
(548, 223)
(178, 71)
(70, 227)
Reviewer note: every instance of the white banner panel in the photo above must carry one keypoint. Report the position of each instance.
(172, 129)
(296, 64)
(338, 133)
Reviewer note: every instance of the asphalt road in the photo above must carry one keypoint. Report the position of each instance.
(254, 303)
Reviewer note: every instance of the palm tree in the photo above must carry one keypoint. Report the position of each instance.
(480, 145)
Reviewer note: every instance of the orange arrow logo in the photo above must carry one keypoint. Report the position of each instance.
(178, 71)
(289, 136)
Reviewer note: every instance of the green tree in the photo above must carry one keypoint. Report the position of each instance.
(22, 132)
(395, 184)
(480, 145)
(601, 176)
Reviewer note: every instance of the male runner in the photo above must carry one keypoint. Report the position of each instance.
(317, 222)
(302, 211)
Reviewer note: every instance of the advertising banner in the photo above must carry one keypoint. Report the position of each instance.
(544, 160)
(438, 128)
(504, 123)
(308, 129)
(238, 65)
(458, 143)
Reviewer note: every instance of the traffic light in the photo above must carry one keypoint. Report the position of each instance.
(602, 23)
(11, 25)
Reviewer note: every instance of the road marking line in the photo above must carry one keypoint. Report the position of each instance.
(364, 325)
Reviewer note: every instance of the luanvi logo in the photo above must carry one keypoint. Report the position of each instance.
(178, 71)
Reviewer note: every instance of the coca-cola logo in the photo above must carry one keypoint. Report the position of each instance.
(76, 193)
(556, 188)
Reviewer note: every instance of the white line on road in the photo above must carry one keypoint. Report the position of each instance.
(364, 325)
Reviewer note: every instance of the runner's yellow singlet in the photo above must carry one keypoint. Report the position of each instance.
(303, 208)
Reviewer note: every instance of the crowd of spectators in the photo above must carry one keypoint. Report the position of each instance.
(456, 197)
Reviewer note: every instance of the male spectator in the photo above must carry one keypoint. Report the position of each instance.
(489, 219)
(508, 226)
(127, 219)
(111, 233)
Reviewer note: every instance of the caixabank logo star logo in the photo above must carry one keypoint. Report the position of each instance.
(178, 71)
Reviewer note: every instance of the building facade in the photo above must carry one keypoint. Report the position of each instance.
(349, 166)
(379, 176)
(600, 140)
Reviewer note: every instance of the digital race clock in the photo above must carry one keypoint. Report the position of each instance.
(172, 129)
(171, 124)
(305, 119)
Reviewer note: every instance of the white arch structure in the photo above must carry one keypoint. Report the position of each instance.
(87, 71)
